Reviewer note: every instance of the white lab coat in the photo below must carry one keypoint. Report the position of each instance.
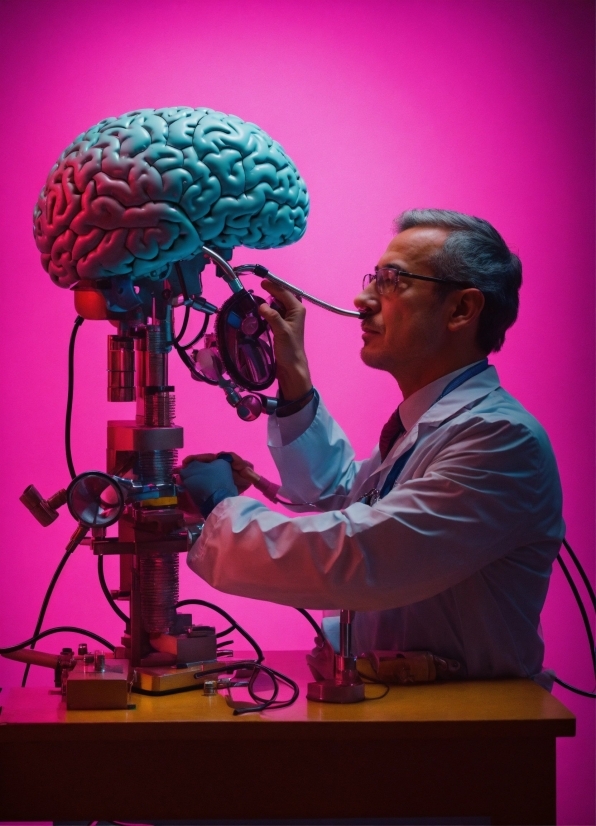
(455, 559)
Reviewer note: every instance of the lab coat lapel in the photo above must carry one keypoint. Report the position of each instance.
(464, 396)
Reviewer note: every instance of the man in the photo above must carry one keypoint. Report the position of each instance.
(444, 539)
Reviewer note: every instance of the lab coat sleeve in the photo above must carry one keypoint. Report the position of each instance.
(489, 490)
(318, 466)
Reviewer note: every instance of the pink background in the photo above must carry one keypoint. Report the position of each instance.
(483, 107)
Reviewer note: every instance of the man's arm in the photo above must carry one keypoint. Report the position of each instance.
(492, 490)
(313, 456)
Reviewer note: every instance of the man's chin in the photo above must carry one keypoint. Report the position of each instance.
(371, 359)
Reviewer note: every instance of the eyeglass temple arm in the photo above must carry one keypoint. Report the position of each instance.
(263, 272)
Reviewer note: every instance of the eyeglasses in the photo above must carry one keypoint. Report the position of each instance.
(387, 279)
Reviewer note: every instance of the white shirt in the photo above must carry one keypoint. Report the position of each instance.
(455, 559)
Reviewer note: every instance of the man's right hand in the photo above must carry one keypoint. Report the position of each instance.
(241, 469)
(293, 374)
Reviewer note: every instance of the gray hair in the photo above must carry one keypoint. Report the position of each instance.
(474, 252)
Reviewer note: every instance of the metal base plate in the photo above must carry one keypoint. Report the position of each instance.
(328, 691)
(167, 680)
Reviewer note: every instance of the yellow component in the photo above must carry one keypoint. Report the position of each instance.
(163, 502)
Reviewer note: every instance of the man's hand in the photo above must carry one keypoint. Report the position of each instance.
(208, 483)
(240, 467)
(293, 374)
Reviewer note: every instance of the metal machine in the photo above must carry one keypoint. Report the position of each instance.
(138, 491)
(130, 215)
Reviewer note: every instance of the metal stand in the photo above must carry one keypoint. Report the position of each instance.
(345, 686)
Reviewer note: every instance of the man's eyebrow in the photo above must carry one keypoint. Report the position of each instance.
(395, 267)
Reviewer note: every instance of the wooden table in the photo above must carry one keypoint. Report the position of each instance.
(477, 749)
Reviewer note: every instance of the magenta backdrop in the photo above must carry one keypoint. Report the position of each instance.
(481, 107)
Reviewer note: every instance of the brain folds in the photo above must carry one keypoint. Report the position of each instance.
(135, 193)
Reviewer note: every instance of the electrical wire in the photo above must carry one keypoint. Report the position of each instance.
(199, 335)
(69, 398)
(366, 679)
(106, 591)
(59, 629)
(276, 677)
(581, 572)
(311, 619)
(582, 609)
(184, 325)
(573, 688)
(44, 608)
(225, 633)
(231, 620)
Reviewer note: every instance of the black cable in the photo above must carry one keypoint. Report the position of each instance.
(199, 335)
(377, 682)
(263, 701)
(225, 633)
(106, 591)
(231, 620)
(275, 677)
(581, 572)
(181, 281)
(69, 399)
(311, 619)
(582, 609)
(573, 688)
(44, 608)
(184, 325)
(272, 703)
(59, 629)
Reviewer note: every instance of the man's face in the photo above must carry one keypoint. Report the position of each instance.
(406, 328)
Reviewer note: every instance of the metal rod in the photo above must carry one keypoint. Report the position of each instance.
(228, 271)
(258, 269)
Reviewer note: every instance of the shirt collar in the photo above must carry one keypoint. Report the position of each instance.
(415, 406)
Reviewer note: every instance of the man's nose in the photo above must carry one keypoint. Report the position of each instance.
(367, 301)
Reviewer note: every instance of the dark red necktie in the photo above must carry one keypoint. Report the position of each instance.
(390, 432)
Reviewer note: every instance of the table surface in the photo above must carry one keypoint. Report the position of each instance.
(495, 708)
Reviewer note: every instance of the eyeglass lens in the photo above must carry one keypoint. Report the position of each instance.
(386, 280)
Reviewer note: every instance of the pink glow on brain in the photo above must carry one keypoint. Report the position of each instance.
(135, 193)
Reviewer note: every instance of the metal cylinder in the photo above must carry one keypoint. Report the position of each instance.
(152, 365)
(157, 363)
(160, 407)
(157, 466)
(159, 591)
(121, 369)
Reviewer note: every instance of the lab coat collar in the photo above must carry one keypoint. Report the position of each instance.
(466, 395)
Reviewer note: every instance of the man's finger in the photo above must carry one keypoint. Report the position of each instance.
(199, 457)
(284, 296)
(270, 315)
(237, 461)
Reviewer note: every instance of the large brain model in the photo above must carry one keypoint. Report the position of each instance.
(134, 194)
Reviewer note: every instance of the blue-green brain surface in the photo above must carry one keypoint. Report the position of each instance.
(135, 193)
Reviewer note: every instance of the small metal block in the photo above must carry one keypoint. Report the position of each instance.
(328, 691)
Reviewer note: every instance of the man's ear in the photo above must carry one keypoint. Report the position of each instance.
(466, 306)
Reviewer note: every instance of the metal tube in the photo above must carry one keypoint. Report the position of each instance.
(229, 272)
(121, 369)
(256, 268)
